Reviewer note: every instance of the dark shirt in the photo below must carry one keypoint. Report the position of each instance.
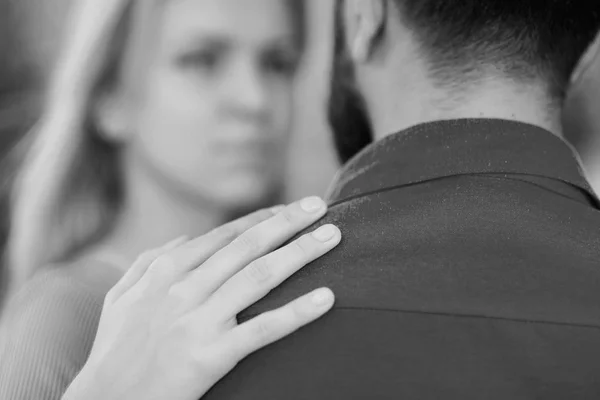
(469, 269)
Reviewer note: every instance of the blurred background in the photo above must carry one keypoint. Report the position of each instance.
(33, 32)
(30, 36)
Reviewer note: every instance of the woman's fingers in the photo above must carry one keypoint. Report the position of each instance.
(168, 267)
(205, 246)
(266, 273)
(194, 253)
(275, 325)
(254, 243)
(140, 266)
(154, 303)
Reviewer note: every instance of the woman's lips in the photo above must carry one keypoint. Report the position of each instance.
(247, 159)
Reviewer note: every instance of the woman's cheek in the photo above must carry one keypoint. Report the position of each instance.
(282, 111)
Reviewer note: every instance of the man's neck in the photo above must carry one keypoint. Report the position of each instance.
(487, 100)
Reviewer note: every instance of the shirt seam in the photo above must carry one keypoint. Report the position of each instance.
(459, 316)
(347, 199)
(515, 178)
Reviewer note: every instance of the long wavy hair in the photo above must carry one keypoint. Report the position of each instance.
(20, 81)
(69, 190)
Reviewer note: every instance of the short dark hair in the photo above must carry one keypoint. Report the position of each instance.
(524, 40)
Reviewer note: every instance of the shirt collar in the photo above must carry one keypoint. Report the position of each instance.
(459, 147)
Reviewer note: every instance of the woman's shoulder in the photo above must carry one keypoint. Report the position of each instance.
(49, 328)
(59, 301)
(65, 287)
(59, 306)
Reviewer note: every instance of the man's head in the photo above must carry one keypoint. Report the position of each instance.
(402, 62)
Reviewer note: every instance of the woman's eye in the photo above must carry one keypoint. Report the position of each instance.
(207, 61)
(280, 64)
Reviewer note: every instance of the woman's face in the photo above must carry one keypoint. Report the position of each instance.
(215, 111)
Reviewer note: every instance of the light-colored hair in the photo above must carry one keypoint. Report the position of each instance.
(68, 190)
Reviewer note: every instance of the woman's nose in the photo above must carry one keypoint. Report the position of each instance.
(248, 92)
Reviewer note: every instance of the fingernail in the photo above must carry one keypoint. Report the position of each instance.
(325, 233)
(322, 297)
(312, 204)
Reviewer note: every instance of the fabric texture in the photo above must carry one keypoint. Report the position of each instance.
(49, 328)
(468, 269)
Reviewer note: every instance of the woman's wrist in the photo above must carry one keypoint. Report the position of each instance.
(88, 385)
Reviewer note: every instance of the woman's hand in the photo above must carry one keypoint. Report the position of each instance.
(169, 330)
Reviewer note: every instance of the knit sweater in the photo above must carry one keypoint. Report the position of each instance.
(49, 328)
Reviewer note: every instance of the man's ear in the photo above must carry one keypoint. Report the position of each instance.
(113, 116)
(370, 19)
(589, 58)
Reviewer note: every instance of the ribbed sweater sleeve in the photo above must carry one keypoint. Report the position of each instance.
(46, 337)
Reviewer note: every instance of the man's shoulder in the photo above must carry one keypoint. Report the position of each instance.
(471, 246)
(474, 279)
